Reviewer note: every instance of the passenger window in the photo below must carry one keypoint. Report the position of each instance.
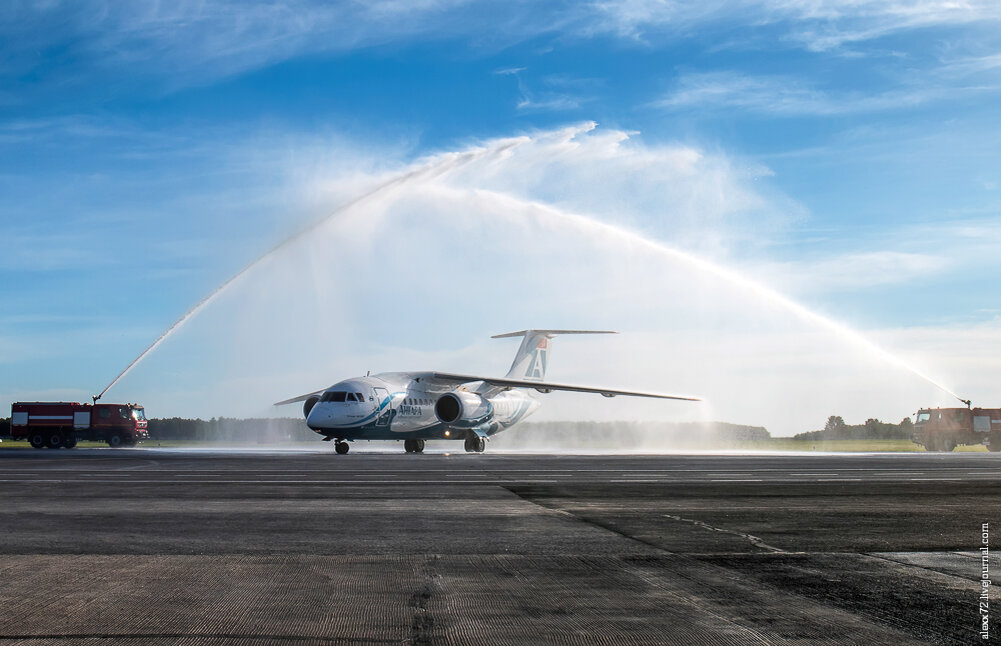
(124, 414)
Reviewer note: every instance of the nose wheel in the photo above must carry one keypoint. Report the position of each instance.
(341, 447)
(475, 444)
(413, 446)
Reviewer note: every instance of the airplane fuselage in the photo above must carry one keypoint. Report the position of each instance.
(400, 405)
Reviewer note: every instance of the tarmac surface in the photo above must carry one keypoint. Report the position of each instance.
(153, 546)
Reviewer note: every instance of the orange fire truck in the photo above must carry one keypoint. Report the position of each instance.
(943, 429)
(61, 424)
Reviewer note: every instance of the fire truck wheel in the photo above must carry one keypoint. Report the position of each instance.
(114, 440)
(948, 444)
(54, 441)
(69, 442)
(341, 448)
(37, 440)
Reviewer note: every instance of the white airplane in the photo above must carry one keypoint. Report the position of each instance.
(419, 406)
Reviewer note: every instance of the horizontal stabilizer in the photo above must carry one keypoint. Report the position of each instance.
(551, 333)
(545, 387)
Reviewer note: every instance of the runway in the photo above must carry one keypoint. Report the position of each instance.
(225, 547)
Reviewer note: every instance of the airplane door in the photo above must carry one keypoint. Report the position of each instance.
(386, 416)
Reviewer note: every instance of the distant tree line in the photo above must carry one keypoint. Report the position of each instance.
(259, 430)
(628, 435)
(872, 429)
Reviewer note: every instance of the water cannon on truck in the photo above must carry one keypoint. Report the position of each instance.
(943, 429)
(61, 424)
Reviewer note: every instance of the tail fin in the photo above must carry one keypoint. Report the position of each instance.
(533, 356)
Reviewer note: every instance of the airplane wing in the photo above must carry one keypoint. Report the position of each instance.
(546, 387)
(300, 398)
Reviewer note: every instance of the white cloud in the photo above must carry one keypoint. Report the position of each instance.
(789, 96)
(854, 271)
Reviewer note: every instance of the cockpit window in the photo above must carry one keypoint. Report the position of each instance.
(351, 397)
(361, 397)
(336, 396)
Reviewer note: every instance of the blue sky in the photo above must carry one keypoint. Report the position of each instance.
(849, 155)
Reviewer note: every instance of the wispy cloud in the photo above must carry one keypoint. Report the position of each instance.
(857, 271)
(792, 96)
(818, 25)
(194, 41)
(552, 96)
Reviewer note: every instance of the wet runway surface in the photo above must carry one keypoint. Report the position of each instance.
(199, 547)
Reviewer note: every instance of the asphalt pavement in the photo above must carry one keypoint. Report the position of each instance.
(159, 546)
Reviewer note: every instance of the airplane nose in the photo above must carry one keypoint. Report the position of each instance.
(316, 416)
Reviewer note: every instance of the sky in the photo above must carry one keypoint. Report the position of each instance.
(778, 155)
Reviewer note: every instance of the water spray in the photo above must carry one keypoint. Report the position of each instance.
(429, 170)
(612, 231)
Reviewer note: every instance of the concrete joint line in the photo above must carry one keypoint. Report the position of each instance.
(754, 540)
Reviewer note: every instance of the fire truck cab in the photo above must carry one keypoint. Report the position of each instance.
(942, 429)
(61, 424)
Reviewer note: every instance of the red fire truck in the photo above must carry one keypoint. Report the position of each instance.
(942, 429)
(61, 424)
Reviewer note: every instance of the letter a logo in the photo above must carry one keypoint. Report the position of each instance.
(537, 367)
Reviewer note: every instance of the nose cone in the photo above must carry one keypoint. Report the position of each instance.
(319, 417)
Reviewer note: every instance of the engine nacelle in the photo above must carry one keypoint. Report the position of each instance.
(460, 409)
(308, 405)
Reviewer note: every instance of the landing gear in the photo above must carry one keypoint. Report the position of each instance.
(341, 447)
(413, 446)
(475, 444)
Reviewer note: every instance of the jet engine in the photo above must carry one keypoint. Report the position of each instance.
(308, 405)
(459, 409)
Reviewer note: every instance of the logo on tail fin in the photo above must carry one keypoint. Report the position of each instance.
(533, 354)
(540, 356)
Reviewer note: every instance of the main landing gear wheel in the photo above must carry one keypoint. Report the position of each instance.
(475, 444)
(413, 446)
(341, 448)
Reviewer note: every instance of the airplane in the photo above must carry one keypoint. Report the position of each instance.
(419, 406)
